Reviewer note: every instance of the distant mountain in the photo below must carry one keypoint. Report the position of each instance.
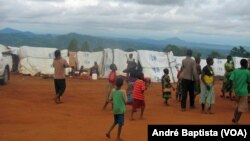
(14, 31)
(13, 37)
(9, 31)
(182, 43)
(160, 42)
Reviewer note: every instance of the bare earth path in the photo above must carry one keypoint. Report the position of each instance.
(28, 112)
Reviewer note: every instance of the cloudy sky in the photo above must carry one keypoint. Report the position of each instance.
(211, 21)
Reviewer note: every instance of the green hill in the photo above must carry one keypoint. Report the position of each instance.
(12, 37)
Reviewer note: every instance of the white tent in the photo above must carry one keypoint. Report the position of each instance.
(149, 59)
(64, 53)
(154, 62)
(179, 59)
(4, 48)
(39, 60)
(87, 59)
(108, 59)
(36, 52)
(32, 66)
(14, 50)
(120, 60)
(218, 67)
(237, 61)
(34, 60)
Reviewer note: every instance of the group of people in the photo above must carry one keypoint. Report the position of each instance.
(115, 95)
(192, 80)
(89, 73)
(134, 95)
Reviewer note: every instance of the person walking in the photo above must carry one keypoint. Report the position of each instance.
(240, 79)
(138, 95)
(59, 65)
(111, 84)
(119, 100)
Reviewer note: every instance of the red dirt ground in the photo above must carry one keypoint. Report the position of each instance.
(28, 112)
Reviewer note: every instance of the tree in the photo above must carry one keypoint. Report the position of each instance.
(73, 45)
(239, 52)
(85, 46)
(176, 50)
(215, 54)
(198, 55)
(234, 51)
(180, 51)
(98, 49)
(129, 49)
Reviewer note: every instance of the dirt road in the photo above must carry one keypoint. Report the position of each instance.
(28, 112)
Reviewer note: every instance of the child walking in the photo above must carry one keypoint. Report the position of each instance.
(166, 86)
(138, 95)
(240, 78)
(119, 99)
(59, 65)
(111, 84)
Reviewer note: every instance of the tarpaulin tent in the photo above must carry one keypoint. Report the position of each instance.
(35, 60)
(108, 59)
(154, 62)
(87, 59)
(120, 59)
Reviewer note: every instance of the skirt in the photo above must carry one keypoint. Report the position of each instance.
(130, 92)
(138, 104)
(166, 95)
(207, 96)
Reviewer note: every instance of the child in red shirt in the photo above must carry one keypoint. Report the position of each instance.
(138, 95)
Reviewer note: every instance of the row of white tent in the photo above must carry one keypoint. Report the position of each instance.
(35, 60)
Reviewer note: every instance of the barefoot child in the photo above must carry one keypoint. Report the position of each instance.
(166, 86)
(240, 79)
(138, 95)
(119, 99)
(111, 84)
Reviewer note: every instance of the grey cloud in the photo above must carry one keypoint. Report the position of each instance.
(23, 12)
(132, 17)
(155, 2)
(61, 1)
(236, 10)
